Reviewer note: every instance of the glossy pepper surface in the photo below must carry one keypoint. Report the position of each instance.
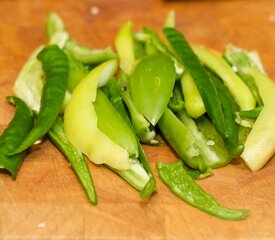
(55, 66)
(13, 135)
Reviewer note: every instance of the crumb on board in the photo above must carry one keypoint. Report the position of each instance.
(94, 10)
(41, 225)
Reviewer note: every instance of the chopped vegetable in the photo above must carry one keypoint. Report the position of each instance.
(13, 135)
(238, 89)
(29, 83)
(151, 85)
(124, 43)
(193, 102)
(203, 82)
(76, 159)
(116, 100)
(80, 120)
(259, 146)
(177, 179)
(88, 55)
(55, 65)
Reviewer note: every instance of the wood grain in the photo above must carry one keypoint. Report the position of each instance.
(47, 202)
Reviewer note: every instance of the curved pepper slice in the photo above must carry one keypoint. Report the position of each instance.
(13, 135)
(56, 67)
(179, 182)
(80, 120)
(151, 85)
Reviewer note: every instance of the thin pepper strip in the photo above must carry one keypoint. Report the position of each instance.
(75, 157)
(12, 136)
(204, 83)
(179, 182)
(55, 66)
(116, 100)
(229, 107)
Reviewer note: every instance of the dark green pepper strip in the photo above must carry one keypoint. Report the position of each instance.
(76, 158)
(116, 100)
(180, 183)
(204, 83)
(229, 108)
(13, 135)
(55, 65)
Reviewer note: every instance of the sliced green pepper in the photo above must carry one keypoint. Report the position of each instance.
(80, 120)
(124, 43)
(204, 83)
(239, 60)
(55, 65)
(116, 100)
(89, 55)
(238, 89)
(13, 135)
(151, 85)
(179, 182)
(75, 157)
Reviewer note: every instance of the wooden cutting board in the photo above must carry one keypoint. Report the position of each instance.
(46, 201)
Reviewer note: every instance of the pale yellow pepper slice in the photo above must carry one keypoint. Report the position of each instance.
(259, 146)
(192, 99)
(80, 120)
(124, 44)
(238, 89)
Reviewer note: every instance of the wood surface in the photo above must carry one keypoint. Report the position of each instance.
(47, 201)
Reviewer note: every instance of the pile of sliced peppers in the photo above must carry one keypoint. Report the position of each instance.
(102, 105)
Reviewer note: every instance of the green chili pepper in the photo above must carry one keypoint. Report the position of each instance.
(229, 107)
(151, 85)
(180, 183)
(204, 83)
(237, 88)
(75, 157)
(115, 98)
(55, 65)
(13, 135)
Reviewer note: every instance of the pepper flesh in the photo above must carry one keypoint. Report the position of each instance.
(55, 65)
(13, 135)
(151, 85)
(259, 146)
(179, 182)
(80, 120)
(75, 157)
(238, 89)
